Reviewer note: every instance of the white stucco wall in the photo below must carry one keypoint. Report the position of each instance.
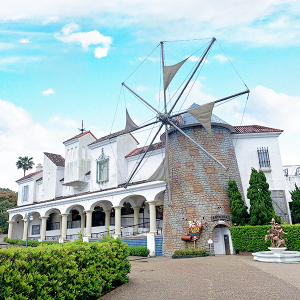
(50, 178)
(246, 153)
(152, 161)
(291, 180)
(31, 192)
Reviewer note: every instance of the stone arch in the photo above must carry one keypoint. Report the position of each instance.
(160, 197)
(77, 206)
(105, 204)
(51, 211)
(219, 246)
(18, 226)
(16, 217)
(134, 200)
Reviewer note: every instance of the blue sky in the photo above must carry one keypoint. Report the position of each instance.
(64, 61)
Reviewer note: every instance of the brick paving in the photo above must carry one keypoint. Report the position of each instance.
(222, 277)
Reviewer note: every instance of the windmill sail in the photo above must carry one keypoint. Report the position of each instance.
(162, 172)
(170, 71)
(130, 125)
(203, 115)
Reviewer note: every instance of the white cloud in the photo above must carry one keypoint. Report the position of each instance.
(24, 41)
(195, 59)
(6, 46)
(69, 28)
(153, 59)
(21, 136)
(86, 39)
(101, 51)
(48, 92)
(142, 88)
(221, 58)
(50, 20)
(267, 22)
(63, 122)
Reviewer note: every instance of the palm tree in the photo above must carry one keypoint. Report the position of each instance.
(25, 163)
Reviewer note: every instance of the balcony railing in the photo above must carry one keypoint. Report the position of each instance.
(52, 238)
(53, 226)
(74, 224)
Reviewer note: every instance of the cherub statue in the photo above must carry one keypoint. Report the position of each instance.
(276, 235)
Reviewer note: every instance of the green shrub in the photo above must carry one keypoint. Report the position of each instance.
(190, 252)
(138, 251)
(65, 271)
(252, 238)
(29, 243)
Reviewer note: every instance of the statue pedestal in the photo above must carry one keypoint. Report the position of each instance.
(277, 251)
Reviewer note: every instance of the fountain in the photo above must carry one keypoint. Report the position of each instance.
(277, 253)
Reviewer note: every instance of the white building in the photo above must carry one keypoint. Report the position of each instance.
(84, 192)
(292, 178)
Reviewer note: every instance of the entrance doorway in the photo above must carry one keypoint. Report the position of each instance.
(222, 240)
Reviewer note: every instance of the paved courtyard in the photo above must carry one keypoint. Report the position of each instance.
(221, 277)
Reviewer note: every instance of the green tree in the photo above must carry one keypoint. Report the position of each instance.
(238, 208)
(25, 163)
(8, 199)
(295, 205)
(261, 206)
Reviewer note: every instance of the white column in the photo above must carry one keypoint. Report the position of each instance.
(88, 229)
(136, 215)
(25, 230)
(60, 225)
(43, 231)
(151, 234)
(64, 222)
(10, 229)
(82, 223)
(152, 216)
(117, 221)
(107, 219)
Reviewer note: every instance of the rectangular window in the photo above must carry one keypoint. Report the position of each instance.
(102, 170)
(35, 229)
(72, 153)
(263, 157)
(68, 154)
(25, 193)
(75, 152)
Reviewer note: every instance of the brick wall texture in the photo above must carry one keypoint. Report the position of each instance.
(198, 184)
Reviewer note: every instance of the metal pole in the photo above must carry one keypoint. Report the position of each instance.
(199, 63)
(166, 131)
(141, 98)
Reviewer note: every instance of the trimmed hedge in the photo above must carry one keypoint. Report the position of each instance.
(67, 271)
(190, 252)
(29, 243)
(252, 238)
(138, 251)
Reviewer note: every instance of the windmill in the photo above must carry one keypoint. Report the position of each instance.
(167, 118)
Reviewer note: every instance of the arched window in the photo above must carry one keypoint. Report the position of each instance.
(298, 171)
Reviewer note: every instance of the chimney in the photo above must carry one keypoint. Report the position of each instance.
(39, 167)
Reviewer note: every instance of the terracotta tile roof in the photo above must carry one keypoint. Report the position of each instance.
(254, 129)
(142, 150)
(57, 159)
(107, 137)
(80, 135)
(29, 175)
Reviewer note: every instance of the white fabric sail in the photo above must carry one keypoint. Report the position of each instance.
(170, 71)
(130, 125)
(162, 172)
(203, 115)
